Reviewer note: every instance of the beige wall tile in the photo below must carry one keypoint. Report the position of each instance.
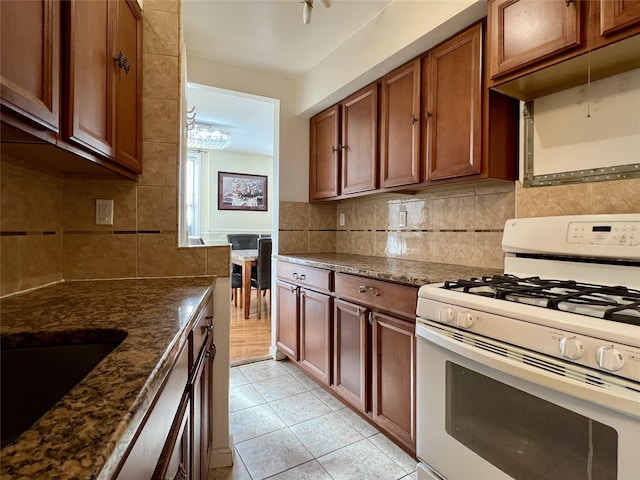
(159, 257)
(364, 215)
(387, 214)
(157, 209)
(495, 187)
(453, 247)
(11, 206)
(488, 250)
(165, 5)
(322, 216)
(161, 32)
(80, 205)
(41, 200)
(619, 196)
(419, 214)
(40, 260)
(321, 242)
(417, 246)
(293, 242)
(493, 210)
(161, 77)
(9, 265)
(160, 120)
(363, 243)
(294, 216)
(555, 200)
(160, 164)
(454, 213)
(388, 244)
(219, 261)
(343, 241)
(94, 256)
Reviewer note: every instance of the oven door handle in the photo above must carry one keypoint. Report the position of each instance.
(627, 403)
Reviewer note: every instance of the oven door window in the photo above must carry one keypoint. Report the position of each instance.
(524, 436)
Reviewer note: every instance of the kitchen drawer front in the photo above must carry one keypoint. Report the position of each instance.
(315, 278)
(387, 296)
(199, 333)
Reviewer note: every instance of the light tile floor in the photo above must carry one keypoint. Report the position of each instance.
(286, 427)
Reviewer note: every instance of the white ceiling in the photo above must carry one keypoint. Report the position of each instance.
(266, 35)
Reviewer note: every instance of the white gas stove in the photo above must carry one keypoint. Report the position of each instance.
(557, 337)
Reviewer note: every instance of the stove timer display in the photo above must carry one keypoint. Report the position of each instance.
(592, 233)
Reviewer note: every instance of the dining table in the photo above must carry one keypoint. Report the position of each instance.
(246, 259)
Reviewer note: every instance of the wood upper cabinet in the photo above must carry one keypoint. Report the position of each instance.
(400, 126)
(359, 115)
(315, 334)
(526, 31)
(104, 63)
(452, 80)
(393, 371)
(324, 175)
(351, 353)
(30, 61)
(616, 15)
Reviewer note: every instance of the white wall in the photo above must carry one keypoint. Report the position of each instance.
(213, 220)
(291, 146)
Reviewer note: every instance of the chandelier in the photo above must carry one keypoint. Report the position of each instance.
(307, 7)
(203, 135)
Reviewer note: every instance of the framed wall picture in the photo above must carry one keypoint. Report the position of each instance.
(240, 191)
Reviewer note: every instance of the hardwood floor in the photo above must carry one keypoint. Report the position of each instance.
(251, 337)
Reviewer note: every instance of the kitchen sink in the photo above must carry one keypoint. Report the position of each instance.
(36, 376)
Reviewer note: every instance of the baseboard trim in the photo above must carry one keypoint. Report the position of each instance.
(222, 457)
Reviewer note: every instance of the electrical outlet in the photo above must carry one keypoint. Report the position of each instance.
(104, 212)
(341, 221)
(402, 219)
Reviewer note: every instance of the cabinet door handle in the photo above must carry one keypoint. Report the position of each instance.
(364, 289)
(414, 120)
(371, 318)
(334, 149)
(427, 114)
(207, 328)
(359, 312)
(293, 288)
(211, 353)
(123, 62)
(568, 2)
(299, 277)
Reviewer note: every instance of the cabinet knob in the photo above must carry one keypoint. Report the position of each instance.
(207, 328)
(211, 353)
(293, 288)
(334, 149)
(414, 120)
(123, 62)
(427, 114)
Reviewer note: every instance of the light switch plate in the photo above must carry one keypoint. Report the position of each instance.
(341, 221)
(402, 219)
(104, 212)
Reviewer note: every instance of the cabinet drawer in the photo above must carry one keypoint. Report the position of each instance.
(199, 333)
(391, 297)
(315, 278)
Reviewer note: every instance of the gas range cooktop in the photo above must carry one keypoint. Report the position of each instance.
(615, 303)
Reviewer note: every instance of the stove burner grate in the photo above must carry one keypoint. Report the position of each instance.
(616, 303)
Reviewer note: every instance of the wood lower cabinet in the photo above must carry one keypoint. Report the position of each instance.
(393, 376)
(287, 323)
(30, 62)
(174, 462)
(315, 334)
(351, 354)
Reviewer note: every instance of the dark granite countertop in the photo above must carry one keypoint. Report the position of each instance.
(407, 272)
(85, 434)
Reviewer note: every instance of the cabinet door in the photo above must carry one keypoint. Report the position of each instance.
(400, 126)
(287, 321)
(30, 60)
(128, 85)
(91, 103)
(616, 15)
(174, 462)
(350, 353)
(325, 154)
(360, 141)
(315, 334)
(393, 391)
(526, 31)
(201, 412)
(453, 112)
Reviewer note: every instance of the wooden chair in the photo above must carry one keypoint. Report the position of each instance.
(261, 275)
(239, 241)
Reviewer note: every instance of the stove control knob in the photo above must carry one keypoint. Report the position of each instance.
(571, 348)
(609, 358)
(465, 320)
(445, 315)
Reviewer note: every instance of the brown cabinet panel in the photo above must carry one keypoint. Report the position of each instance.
(359, 115)
(393, 389)
(453, 111)
(616, 15)
(30, 60)
(350, 354)
(201, 404)
(315, 278)
(387, 296)
(527, 31)
(287, 321)
(175, 460)
(400, 126)
(315, 334)
(325, 154)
